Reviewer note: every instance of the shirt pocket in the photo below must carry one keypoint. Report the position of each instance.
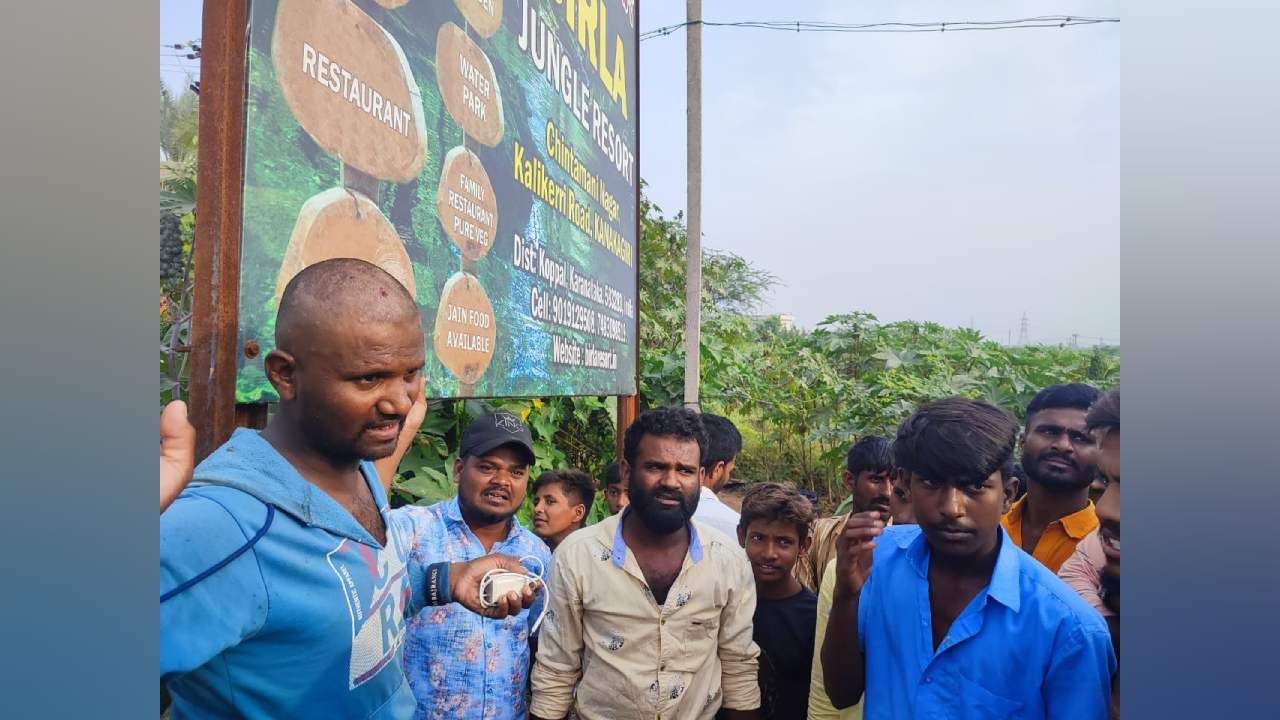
(702, 630)
(693, 641)
(699, 637)
(978, 703)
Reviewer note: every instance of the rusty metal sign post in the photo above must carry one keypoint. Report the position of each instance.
(220, 168)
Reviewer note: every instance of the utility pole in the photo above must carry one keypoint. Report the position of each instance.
(1024, 338)
(693, 148)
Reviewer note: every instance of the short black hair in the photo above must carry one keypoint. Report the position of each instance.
(676, 422)
(612, 475)
(576, 484)
(723, 439)
(1105, 414)
(870, 453)
(772, 502)
(1075, 396)
(1021, 476)
(957, 440)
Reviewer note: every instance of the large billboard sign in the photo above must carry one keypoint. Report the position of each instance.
(483, 152)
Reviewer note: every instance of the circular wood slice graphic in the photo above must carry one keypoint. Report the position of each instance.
(465, 331)
(339, 223)
(465, 203)
(485, 16)
(469, 87)
(349, 85)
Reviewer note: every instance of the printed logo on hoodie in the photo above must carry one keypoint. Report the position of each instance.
(376, 585)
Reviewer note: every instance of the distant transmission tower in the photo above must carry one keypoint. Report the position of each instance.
(1023, 337)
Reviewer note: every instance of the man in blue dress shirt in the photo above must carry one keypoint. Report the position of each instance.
(952, 619)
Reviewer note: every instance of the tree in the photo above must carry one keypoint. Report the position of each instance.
(179, 124)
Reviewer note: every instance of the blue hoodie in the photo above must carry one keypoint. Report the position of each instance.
(307, 620)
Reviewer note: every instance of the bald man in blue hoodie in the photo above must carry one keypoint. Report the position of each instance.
(285, 580)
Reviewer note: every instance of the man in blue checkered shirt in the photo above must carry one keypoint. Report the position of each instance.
(459, 664)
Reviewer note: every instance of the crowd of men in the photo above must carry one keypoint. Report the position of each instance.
(972, 572)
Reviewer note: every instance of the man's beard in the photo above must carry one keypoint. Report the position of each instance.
(662, 519)
(1076, 478)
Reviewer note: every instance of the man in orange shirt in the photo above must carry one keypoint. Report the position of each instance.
(1059, 459)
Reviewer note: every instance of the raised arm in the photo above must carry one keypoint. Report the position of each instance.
(177, 451)
(389, 465)
(843, 664)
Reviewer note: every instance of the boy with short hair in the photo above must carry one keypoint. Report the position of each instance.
(615, 489)
(774, 531)
(561, 501)
(950, 615)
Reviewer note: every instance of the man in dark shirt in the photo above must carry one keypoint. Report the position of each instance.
(774, 530)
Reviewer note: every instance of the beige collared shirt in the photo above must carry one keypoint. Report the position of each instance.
(607, 649)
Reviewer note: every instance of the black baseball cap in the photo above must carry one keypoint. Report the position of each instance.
(494, 430)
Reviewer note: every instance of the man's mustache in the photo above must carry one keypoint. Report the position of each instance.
(1060, 457)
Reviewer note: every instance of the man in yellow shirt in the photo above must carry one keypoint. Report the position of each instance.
(820, 707)
(1059, 458)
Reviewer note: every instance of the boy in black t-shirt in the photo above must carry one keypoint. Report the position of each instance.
(774, 530)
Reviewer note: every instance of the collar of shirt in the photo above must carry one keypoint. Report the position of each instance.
(1003, 587)
(1025, 643)
(619, 550)
(713, 512)
(1081, 522)
(453, 516)
(1076, 525)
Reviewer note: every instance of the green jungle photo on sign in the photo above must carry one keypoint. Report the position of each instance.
(482, 152)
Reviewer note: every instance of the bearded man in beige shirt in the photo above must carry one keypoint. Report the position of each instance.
(650, 612)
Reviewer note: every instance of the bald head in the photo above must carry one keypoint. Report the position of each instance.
(347, 364)
(335, 291)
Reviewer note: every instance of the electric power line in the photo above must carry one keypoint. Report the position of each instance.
(1042, 21)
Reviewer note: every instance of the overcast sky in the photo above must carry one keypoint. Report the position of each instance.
(961, 178)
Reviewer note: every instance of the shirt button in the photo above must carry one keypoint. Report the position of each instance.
(928, 679)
